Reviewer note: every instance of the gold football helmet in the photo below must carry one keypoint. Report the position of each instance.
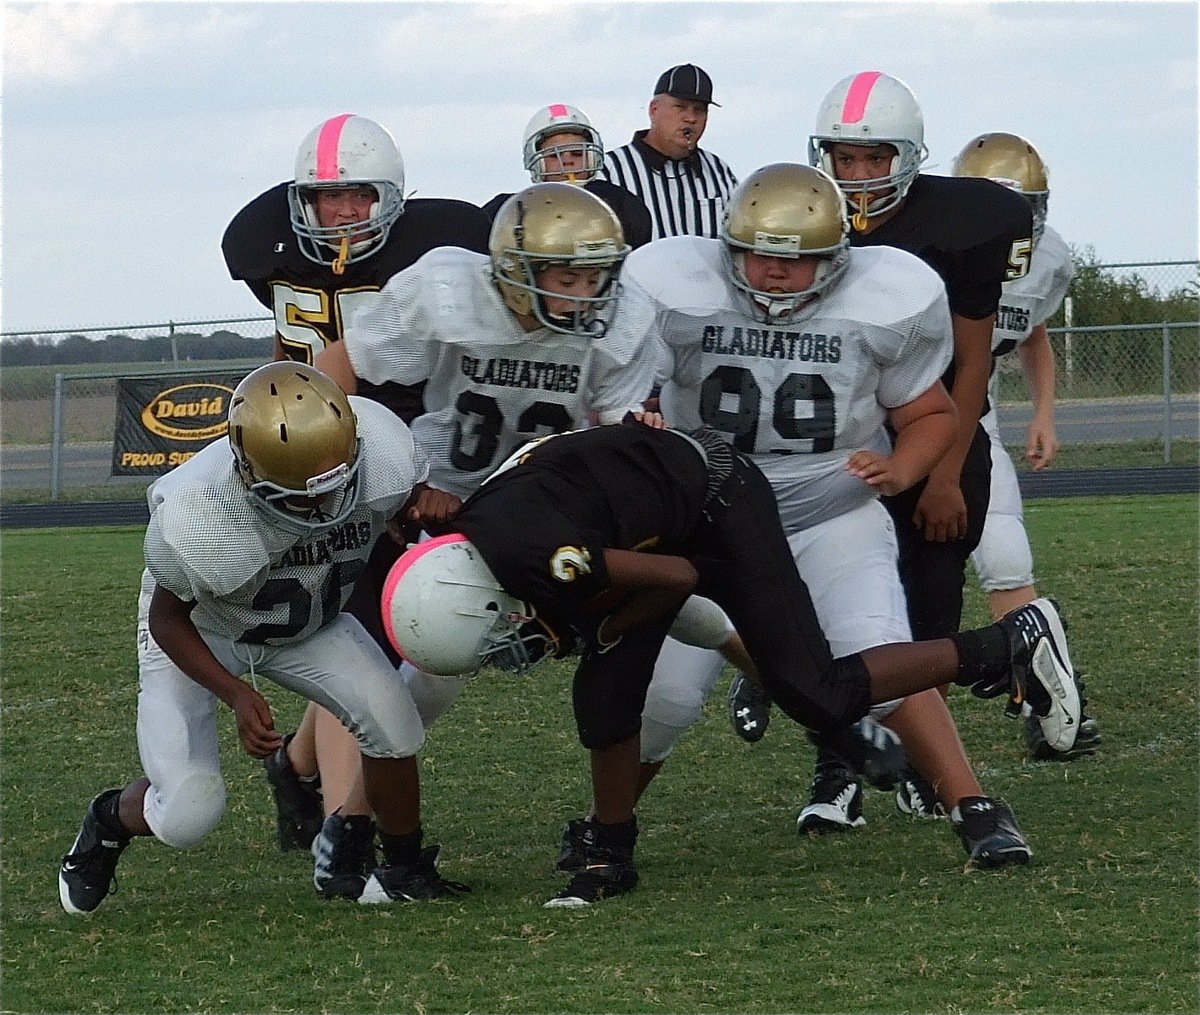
(1010, 160)
(557, 224)
(295, 441)
(787, 210)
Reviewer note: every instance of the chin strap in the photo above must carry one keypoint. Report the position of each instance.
(339, 263)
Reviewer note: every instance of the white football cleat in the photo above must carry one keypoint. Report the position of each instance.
(1042, 671)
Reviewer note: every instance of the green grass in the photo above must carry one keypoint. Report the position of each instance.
(735, 912)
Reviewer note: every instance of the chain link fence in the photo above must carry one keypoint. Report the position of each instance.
(1119, 380)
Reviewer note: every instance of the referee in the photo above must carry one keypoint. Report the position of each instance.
(684, 186)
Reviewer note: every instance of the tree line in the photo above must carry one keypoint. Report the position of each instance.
(38, 350)
(1100, 296)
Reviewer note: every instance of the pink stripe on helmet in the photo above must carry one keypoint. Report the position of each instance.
(558, 109)
(857, 96)
(328, 142)
(405, 561)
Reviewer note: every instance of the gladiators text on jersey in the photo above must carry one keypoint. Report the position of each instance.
(522, 373)
(772, 344)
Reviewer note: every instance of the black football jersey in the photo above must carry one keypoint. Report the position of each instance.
(628, 207)
(310, 303)
(975, 233)
(543, 522)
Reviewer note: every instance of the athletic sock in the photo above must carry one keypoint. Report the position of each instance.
(401, 850)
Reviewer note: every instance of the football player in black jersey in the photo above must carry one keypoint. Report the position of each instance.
(562, 146)
(632, 519)
(976, 235)
(315, 250)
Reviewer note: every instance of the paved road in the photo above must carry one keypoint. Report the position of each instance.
(1078, 423)
(1108, 422)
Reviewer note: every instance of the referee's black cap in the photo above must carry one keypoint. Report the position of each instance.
(687, 81)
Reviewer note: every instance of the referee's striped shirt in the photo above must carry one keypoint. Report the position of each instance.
(685, 197)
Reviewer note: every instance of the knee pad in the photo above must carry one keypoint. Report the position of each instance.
(432, 695)
(1003, 559)
(702, 623)
(192, 810)
(659, 739)
(671, 710)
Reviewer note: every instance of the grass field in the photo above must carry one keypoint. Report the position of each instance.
(735, 912)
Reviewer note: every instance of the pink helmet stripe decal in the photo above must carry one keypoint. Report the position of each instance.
(399, 568)
(857, 96)
(327, 146)
(558, 109)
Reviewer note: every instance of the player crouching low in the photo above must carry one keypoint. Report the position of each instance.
(252, 549)
(631, 521)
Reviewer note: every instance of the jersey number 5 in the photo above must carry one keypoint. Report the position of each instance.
(1019, 255)
(305, 320)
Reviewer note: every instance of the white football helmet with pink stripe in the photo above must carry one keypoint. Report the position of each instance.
(346, 151)
(871, 108)
(559, 118)
(445, 612)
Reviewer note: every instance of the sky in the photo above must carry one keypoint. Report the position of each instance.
(130, 134)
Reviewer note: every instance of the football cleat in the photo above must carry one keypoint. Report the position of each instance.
(916, 797)
(578, 836)
(298, 811)
(1042, 672)
(835, 803)
(869, 748)
(344, 852)
(414, 882)
(1087, 740)
(605, 873)
(749, 708)
(89, 872)
(990, 834)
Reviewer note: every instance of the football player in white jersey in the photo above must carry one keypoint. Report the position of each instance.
(1004, 560)
(530, 339)
(801, 351)
(535, 337)
(251, 552)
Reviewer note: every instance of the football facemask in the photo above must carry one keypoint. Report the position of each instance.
(346, 151)
(871, 108)
(789, 211)
(557, 224)
(559, 118)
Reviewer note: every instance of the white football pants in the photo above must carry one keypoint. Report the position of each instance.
(1003, 559)
(849, 565)
(340, 667)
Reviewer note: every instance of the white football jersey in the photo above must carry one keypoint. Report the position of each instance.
(803, 394)
(251, 580)
(492, 385)
(1031, 300)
